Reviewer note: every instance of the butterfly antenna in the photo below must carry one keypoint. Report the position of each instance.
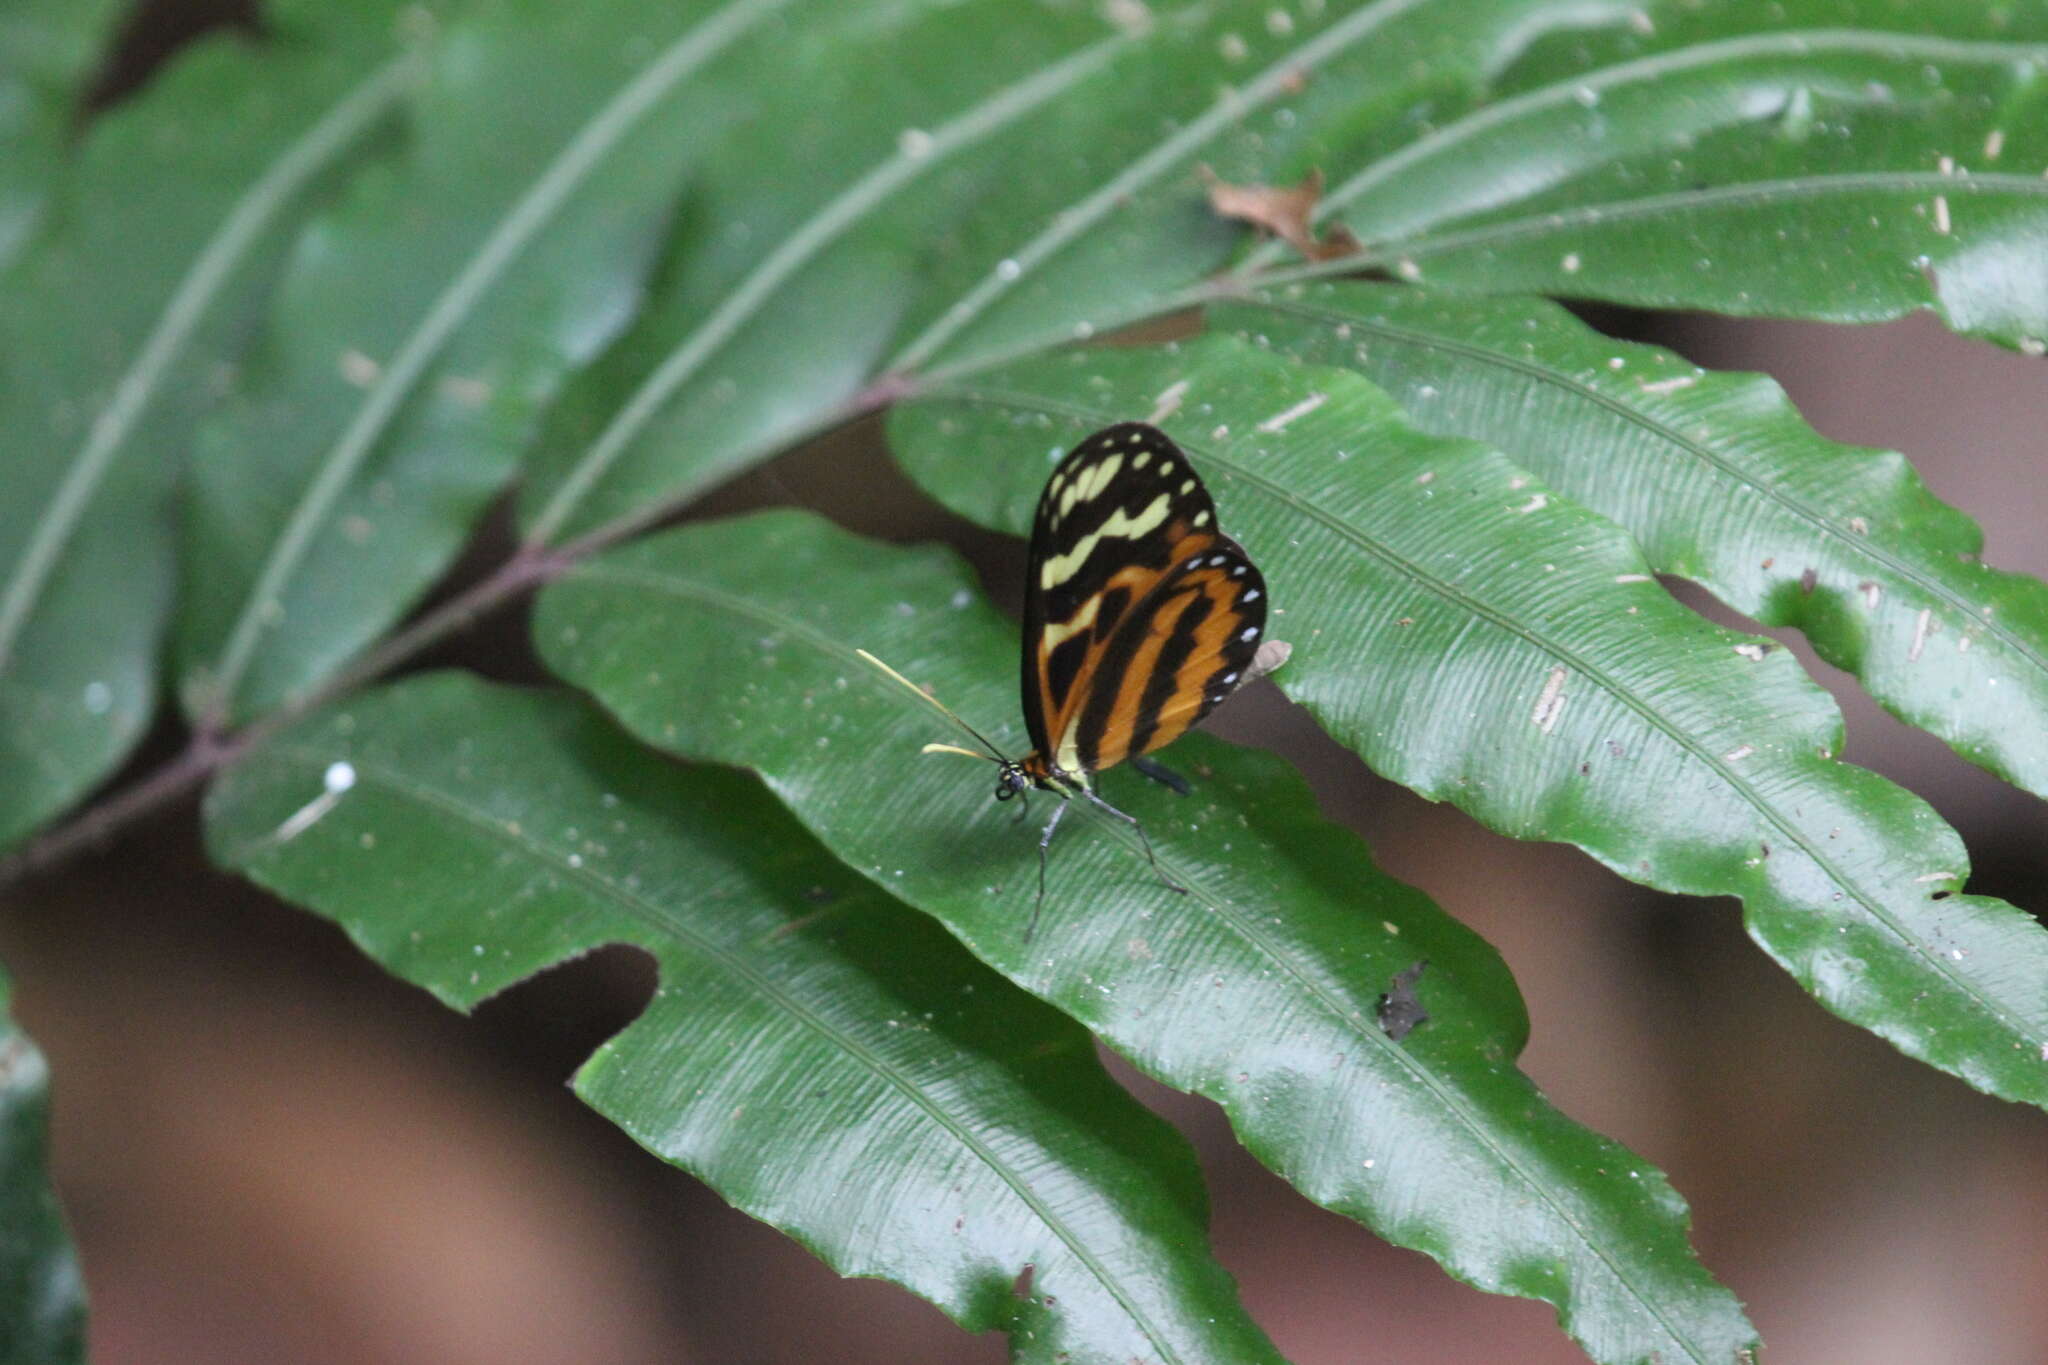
(928, 699)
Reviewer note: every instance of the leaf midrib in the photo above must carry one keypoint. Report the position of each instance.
(1538, 223)
(1476, 609)
(662, 921)
(1451, 1102)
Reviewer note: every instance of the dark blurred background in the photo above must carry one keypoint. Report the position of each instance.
(271, 1151)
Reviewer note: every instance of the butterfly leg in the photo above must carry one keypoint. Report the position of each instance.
(1044, 842)
(1163, 775)
(1143, 838)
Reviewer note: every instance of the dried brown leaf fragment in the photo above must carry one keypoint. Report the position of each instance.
(1285, 211)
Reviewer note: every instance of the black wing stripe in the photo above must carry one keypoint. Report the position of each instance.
(1165, 676)
(1104, 685)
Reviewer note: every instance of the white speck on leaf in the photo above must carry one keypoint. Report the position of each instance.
(358, 369)
(1920, 635)
(1168, 401)
(1279, 421)
(1550, 705)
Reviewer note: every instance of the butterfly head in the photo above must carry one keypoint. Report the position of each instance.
(1011, 779)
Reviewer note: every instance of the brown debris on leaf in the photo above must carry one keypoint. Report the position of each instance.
(1400, 1008)
(1284, 211)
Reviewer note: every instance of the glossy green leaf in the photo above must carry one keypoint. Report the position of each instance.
(1719, 481)
(113, 335)
(42, 1297)
(827, 1060)
(1822, 158)
(1018, 174)
(1483, 640)
(1835, 159)
(422, 324)
(735, 641)
(49, 51)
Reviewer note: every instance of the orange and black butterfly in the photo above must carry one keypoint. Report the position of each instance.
(1140, 617)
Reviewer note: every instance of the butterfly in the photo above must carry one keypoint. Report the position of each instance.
(1140, 618)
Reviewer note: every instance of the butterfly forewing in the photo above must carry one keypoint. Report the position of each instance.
(1140, 616)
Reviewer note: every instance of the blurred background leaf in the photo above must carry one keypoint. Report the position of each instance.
(42, 1297)
(119, 323)
(50, 53)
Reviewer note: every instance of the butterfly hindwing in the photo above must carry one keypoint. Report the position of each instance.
(1172, 659)
(1140, 616)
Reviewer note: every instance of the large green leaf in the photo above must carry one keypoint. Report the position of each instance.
(1760, 158)
(829, 1061)
(114, 328)
(1258, 989)
(42, 1297)
(49, 50)
(1720, 481)
(1840, 159)
(1479, 638)
(1018, 174)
